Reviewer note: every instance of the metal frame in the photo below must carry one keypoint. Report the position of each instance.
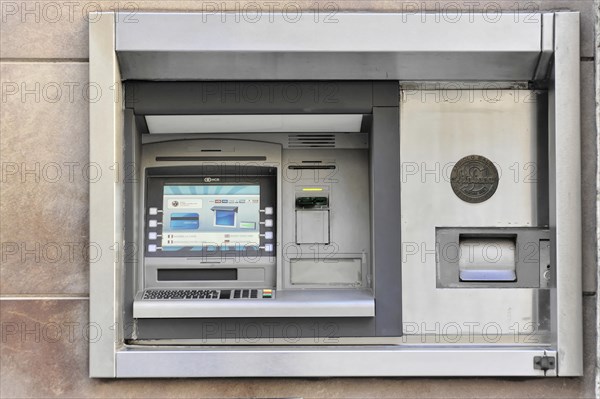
(106, 197)
(353, 46)
(331, 362)
(565, 192)
(503, 53)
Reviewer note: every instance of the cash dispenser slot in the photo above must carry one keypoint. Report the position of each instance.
(492, 257)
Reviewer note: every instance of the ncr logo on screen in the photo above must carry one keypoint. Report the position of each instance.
(211, 179)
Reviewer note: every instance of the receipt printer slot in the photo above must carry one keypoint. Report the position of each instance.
(490, 257)
(487, 259)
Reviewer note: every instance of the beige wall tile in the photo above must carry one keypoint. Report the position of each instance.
(43, 220)
(588, 176)
(59, 29)
(43, 348)
(44, 207)
(44, 354)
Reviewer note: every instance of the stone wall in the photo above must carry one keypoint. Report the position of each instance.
(44, 213)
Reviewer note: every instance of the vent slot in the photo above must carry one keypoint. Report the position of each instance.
(311, 141)
(213, 158)
(311, 167)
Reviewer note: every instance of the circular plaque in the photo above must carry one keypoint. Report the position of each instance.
(474, 179)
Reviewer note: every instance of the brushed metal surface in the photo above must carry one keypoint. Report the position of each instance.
(438, 128)
(347, 188)
(565, 193)
(350, 361)
(290, 303)
(106, 194)
(358, 46)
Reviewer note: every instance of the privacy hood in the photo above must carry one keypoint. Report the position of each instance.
(411, 46)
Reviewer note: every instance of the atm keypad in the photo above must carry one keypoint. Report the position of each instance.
(252, 294)
(179, 294)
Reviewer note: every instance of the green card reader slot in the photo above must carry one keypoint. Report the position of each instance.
(312, 202)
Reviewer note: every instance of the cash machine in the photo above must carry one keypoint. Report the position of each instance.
(335, 199)
(262, 230)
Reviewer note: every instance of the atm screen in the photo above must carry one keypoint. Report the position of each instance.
(224, 217)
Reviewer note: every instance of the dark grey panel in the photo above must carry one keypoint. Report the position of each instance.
(247, 331)
(385, 214)
(181, 98)
(334, 65)
(386, 94)
(542, 166)
(196, 274)
(130, 173)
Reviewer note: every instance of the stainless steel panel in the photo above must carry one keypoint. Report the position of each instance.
(341, 140)
(106, 199)
(359, 361)
(565, 193)
(312, 226)
(296, 303)
(438, 128)
(347, 189)
(352, 46)
(326, 272)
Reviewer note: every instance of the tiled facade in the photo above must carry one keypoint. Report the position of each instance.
(44, 215)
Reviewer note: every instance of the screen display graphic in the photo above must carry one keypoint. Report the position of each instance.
(198, 217)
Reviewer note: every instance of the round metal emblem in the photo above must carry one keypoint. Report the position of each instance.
(474, 179)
